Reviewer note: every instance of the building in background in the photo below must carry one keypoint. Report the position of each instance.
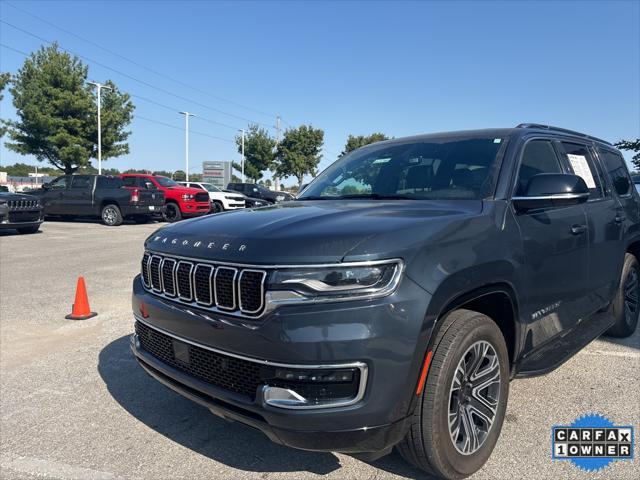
(24, 184)
(217, 173)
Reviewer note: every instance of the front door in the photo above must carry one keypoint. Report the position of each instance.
(555, 244)
(52, 196)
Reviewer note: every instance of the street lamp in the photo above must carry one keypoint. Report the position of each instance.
(242, 153)
(99, 86)
(186, 142)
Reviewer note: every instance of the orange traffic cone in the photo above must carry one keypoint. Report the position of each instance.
(81, 310)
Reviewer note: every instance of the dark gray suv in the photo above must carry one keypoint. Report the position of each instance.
(392, 303)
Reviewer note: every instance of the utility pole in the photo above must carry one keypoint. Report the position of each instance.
(242, 153)
(186, 143)
(99, 87)
(276, 179)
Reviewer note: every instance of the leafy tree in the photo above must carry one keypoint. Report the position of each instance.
(634, 146)
(23, 170)
(56, 111)
(136, 170)
(259, 152)
(179, 176)
(299, 152)
(4, 80)
(357, 141)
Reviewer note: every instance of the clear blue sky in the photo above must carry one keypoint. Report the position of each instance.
(399, 68)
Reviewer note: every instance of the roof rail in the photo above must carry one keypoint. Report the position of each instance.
(561, 130)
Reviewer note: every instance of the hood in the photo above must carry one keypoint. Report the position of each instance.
(183, 189)
(6, 196)
(305, 231)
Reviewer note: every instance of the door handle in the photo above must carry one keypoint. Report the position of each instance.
(578, 229)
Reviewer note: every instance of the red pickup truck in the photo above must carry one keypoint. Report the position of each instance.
(180, 202)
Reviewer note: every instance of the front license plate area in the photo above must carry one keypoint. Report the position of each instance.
(152, 207)
(181, 352)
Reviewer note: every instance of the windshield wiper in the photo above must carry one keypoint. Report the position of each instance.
(375, 196)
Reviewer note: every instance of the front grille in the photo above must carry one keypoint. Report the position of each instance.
(21, 217)
(202, 197)
(16, 205)
(230, 373)
(207, 285)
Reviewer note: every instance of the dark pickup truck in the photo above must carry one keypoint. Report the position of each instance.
(392, 303)
(71, 196)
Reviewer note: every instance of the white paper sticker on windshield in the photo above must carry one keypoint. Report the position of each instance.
(581, 168)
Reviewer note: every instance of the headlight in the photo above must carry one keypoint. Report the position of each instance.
(353, 280)
(187, 196)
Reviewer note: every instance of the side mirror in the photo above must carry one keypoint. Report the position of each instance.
(552, 190)
(46, 186)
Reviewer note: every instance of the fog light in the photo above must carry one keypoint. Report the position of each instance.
(317, 376)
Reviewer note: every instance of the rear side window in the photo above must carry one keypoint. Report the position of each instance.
(614, 164)
(81, 181)
(109, 182)
(581, 163)
(538, 157)
(130, 181)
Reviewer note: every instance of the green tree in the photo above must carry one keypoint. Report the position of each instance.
(56, 112)
(179, 176)
(259, 152)
(634, 146)
(357, 141)
(299, 152)
(4, 80)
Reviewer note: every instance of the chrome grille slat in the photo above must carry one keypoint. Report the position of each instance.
(220, 288)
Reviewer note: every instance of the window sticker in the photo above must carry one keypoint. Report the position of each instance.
(581, 168)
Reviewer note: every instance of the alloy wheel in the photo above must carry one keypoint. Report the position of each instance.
(109, 216)
(473, 398)
(631, 296)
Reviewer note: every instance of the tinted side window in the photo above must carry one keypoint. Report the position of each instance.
(109, 182)
(59, 183)
(81, 181)
(130, 181)
(614, 164)
(538, 157)
(581, 163)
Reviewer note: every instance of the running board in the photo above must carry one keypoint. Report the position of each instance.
(559, 350)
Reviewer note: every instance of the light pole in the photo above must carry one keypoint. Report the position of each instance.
(186, 142)
(242, 153)
(99, 86)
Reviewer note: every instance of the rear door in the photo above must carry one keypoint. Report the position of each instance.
(78, 199)
(555, 246)
(606, 252)
(52, 197)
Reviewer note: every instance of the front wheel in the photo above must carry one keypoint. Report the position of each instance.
(461, 407)
(625, 307)
(216, 207)
(171, 213)
(111, 215)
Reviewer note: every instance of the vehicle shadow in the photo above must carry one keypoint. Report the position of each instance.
(194, 427)
(632, 342)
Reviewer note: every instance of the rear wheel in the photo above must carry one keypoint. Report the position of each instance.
(459, 413)
(625, 306)
(111, 215)
(27, 230)
(172, 213)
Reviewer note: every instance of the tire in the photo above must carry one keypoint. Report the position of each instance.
(429, 443)
(111, 215)
(172, 213)
(28, 230)
(625, 307)
(216, 207)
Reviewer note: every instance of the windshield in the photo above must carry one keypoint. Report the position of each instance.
(447, 168)
(165, 182)
(210, 188)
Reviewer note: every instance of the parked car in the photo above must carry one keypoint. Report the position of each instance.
(20, 212)
(72, 196)
(393, 302)
(258, 191)
(220, 200)
(180, 201)
(250, 202)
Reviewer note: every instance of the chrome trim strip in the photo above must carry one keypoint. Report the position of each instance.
(365, 263)
(190, 298)
(364, 370)
(233, 288)
(264, 277)
(195, 290)
(556, 196)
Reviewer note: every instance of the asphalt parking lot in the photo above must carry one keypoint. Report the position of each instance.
(74, 404)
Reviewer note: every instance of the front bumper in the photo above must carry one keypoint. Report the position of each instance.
(194, 209)
(32, 218)
(385, 334)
